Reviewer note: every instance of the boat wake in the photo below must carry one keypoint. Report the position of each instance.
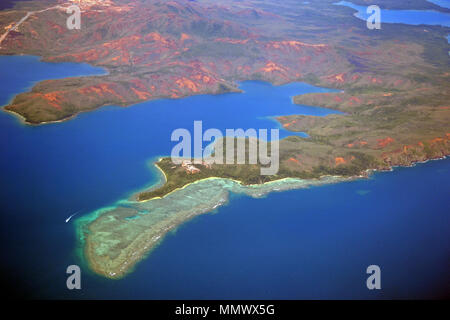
(72, 215)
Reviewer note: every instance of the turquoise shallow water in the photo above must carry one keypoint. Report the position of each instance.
(309, 243)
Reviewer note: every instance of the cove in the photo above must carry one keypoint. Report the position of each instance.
(51, 171)
(306, 243)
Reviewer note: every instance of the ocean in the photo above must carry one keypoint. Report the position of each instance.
(309, 243)
(412, 17)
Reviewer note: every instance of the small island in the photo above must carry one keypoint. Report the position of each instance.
(114, 239)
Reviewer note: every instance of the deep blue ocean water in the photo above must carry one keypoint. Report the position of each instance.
(313, 243)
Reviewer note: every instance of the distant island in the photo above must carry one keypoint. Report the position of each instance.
(394, 90)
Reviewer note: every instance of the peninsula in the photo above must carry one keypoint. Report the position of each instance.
(394, 93)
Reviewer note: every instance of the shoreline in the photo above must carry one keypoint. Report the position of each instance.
(144, 243)
(233, 89)
(367, 174)
(237, 181)
(96, 108)
(281, 180)
(21, 118)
